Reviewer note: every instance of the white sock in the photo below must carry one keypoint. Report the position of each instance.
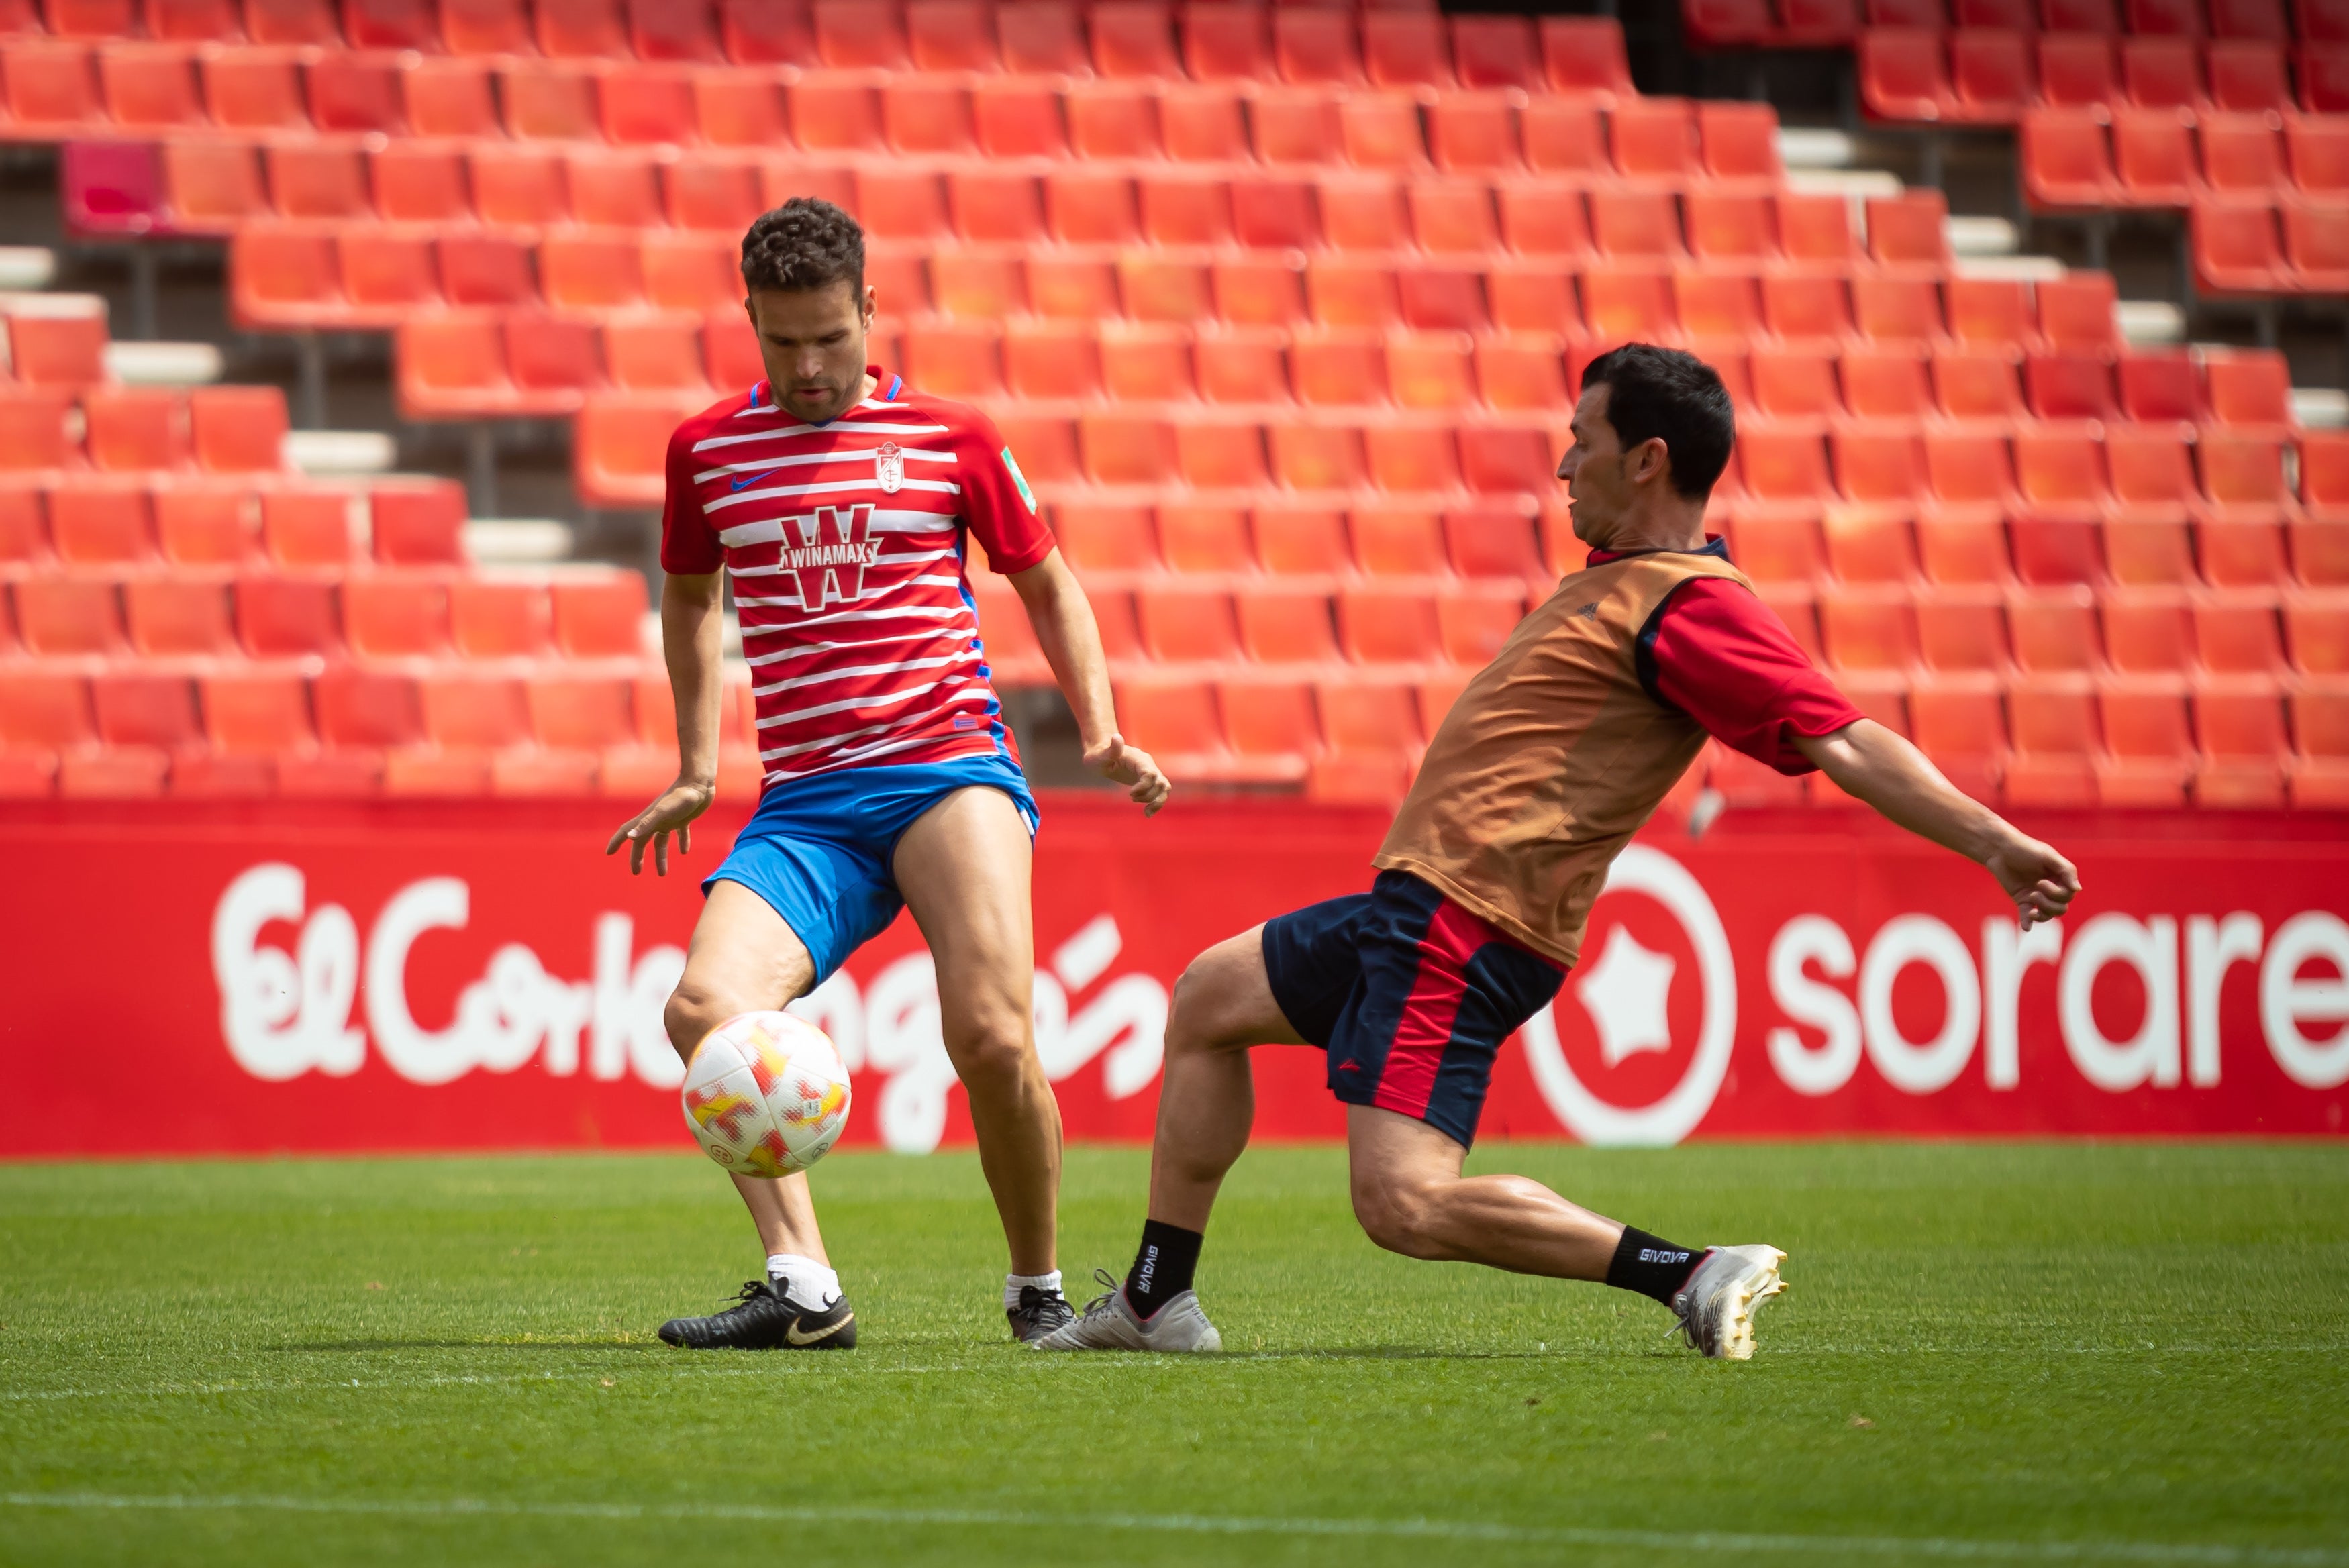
(1012, 1283)
(804, 1279)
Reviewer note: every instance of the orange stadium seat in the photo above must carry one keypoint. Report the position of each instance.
(1174, 717)
(237, 429)
(1270, 723)
(394, 615)
(499, 617)
(1180, 624)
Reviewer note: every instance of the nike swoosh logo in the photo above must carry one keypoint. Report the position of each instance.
(754, 478)
(793, 1334)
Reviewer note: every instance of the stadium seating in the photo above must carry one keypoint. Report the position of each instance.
(1281, 308)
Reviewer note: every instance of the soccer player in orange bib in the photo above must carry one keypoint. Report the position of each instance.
(1553, 758)
(842, 504)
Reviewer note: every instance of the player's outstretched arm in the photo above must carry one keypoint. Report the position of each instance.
(1065, 625)
(1871, 763)
(693, 629)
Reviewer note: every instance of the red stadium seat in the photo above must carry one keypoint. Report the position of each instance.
(280, 615)
(99, 522)
(1300, 540)
(737, 108)
(237, 429)
(1397, 542)
(1174, 717)
(2159, 387)
(307, 526)
(1654, 140)
(1184, 624)
(135, 427)
(449, 99)
(1895, 310)
(395, 614)
(1050, 359)
(1106, 538)
(2077, 70)
(2057, 738)
(1111, 119)
(1203, 539)
(2248, 75)
(1888, 385)
(202, 525)
(2242, 154)
(1961, 634)
(1904, 74)
(58, 350)
(2250, 387)
(492, 617)
(1269, 724)
(1282, 625)
(73, 613)
(1401, 48)
(2160, 72)
(2149, 745)
(2238, 635)
(2153, 154)
(2067, 160)
(148, 86)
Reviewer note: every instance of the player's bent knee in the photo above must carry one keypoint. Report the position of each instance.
(1399, 1215)
(1207, 1011)
(693, 1011)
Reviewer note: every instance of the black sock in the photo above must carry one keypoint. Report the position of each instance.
(1162, 1268)
(1651, 1265)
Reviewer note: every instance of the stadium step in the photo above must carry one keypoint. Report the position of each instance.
(341, 451)
(27, 266)
(517, 541)
(163, 363)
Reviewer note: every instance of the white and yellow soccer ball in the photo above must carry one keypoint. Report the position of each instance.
(765, 1094)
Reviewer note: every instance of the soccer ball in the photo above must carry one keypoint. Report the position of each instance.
(765, 1094)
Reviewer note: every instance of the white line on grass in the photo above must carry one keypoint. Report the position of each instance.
(1211, 1524)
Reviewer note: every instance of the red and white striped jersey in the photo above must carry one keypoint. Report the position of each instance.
(847, 545)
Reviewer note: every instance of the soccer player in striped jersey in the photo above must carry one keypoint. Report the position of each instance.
(842, 504)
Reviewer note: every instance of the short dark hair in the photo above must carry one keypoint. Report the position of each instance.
(1665, 393)
(805, 243)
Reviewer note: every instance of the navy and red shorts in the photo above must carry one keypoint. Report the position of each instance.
(1408, 994)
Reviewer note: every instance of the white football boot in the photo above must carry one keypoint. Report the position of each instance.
(1108, 1324)
(1716, 1307)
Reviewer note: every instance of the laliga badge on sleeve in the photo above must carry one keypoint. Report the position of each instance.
(889, 467)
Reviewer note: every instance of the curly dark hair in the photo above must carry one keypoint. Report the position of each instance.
(1664, 392)
(805, 243)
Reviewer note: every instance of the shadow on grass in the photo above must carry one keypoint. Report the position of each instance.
(347, 1347)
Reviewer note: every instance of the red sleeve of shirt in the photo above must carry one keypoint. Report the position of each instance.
(1721, 657)
(996, 499)
(688, 544)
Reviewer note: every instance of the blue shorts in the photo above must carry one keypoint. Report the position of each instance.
(819, 849)
(1408, 994)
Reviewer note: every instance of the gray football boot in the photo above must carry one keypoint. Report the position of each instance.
(1716, 1307)
(1108, 1324)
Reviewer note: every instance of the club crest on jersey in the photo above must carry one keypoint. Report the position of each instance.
(889, 468)
(834, 550)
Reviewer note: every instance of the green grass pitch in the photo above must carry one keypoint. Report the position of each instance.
(2021, 1353)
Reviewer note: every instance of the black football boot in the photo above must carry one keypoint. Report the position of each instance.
(764, 1319)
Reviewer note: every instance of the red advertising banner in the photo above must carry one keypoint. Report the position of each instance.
(198, 978)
